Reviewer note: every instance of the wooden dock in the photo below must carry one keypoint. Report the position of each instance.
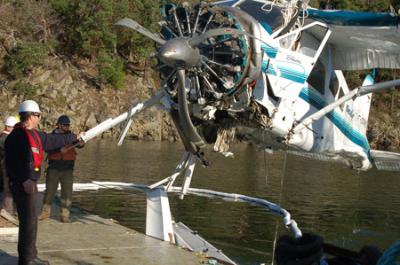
(92, 240)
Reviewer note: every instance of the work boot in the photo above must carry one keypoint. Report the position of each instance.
(38, 261)
(45, 212)
(65, 215)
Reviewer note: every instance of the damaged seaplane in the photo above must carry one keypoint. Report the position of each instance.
(270, 71)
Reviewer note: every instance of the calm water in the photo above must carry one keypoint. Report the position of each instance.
(349, 209)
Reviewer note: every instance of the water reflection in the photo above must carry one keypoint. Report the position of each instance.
(348, 208)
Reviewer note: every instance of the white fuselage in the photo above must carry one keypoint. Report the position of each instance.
(301, 81)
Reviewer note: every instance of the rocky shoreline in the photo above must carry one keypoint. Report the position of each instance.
(63, 88)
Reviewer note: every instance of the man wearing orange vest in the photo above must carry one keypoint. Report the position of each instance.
(24, 148)
(60, 170)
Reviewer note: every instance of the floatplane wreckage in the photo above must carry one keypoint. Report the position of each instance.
(271, 71)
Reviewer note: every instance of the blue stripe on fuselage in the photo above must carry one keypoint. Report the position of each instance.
(354, 18)
(285, 73)
(270, 51)
(312, 97)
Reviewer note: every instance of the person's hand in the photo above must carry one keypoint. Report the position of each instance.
(80, 136)
(30, 186)
(81, 143)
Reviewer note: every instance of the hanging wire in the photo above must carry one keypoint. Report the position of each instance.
(265, 162)
(280, 203)
(288, 9)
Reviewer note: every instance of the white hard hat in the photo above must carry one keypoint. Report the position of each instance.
(29, 106)
(11, 121)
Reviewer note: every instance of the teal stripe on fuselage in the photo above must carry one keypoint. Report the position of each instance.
(270, 51)
(266, 27)
(285, 73)
(354, 18)
(312, 97)
(292, 75)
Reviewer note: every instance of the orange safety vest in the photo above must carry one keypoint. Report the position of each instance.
(35, 144)
(70, 154)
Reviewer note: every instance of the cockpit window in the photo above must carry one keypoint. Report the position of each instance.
(269, 16)
(317, 78)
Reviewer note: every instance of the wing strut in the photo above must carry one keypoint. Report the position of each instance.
(358, 92)
(111, 122)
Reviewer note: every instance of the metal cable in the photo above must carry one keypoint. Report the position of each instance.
(280, 203)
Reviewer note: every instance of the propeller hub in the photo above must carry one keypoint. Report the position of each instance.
(178, 53)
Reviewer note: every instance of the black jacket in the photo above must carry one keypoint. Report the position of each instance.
(19, 158)
(60, 164)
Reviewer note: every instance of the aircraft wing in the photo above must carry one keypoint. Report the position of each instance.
(387, 161)
(360, 40)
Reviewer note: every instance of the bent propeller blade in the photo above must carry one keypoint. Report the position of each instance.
(129, 23)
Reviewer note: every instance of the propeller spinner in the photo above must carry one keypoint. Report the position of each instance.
(178, 53)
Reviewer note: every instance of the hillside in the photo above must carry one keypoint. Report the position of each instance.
(68, 56)
(37, 62)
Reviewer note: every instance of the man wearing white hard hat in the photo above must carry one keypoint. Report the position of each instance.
(8, 127)
(6, 198)
(23, 157)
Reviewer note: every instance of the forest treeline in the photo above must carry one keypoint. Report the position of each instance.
(84, 31)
